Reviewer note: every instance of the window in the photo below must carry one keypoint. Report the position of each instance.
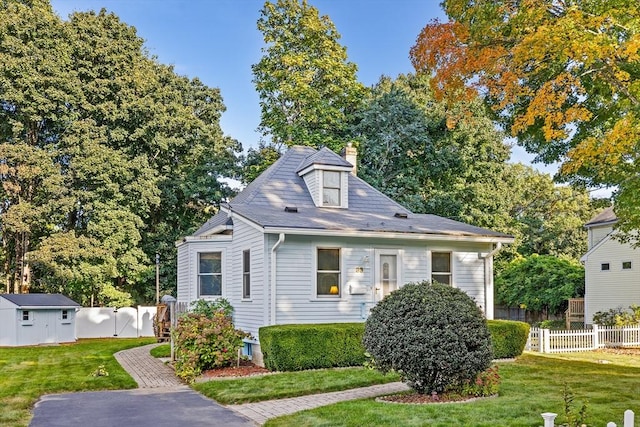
(65, 314)
(605, 266)
(331, 188)
(246, 274)
(626, 265)
(328, 275)
(26, 315)
(441, 267)
(210, 274)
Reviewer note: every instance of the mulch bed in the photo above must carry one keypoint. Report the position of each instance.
(246, 369)
(413, 398)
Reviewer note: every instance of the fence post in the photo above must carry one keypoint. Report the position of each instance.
(596, 337)
(629, 418)
(611, 424)
(549, 418)
(545, 340)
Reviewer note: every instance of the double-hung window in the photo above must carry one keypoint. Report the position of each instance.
(210, 274)
(246, 274)
(441, 267)
(331, 189)
(328, 273)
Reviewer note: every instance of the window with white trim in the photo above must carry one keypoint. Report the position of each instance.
(605, 266)
(328, 281)
(65, 314)
(246, 274)
(26, 315)
(331, 189)
(626, 265)
(441, 267)
(210, 274)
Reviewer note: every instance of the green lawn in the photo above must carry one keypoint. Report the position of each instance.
(530, 386)
(290, 384)
(26, 373)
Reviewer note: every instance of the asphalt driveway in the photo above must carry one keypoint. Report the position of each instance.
(155, 407)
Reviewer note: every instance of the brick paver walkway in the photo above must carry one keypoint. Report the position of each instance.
(148, 371)
(262, 411)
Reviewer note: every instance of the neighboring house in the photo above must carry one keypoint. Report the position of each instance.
(31, 319)
(612, 268)
(310, 242)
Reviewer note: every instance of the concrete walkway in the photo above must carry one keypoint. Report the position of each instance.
(150, 372)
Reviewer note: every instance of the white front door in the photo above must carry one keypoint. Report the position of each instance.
(386, 272)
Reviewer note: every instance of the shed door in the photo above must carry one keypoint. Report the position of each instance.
(47, 321)
(387, 272)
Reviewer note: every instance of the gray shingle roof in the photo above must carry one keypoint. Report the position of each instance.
(264, 201)
(40, 300)
(325, 157)
(606, 216)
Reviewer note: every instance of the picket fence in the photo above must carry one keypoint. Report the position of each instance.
(565, 341)
(549, 419)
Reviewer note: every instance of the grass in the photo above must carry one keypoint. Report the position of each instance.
(530, 386)
(163, 350)
(26, 373)
(290, 384)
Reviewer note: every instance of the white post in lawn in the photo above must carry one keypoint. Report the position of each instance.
(549, 418)
(611, 424)
(629, 418)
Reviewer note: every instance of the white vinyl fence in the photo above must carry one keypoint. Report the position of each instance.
(565, 341)
(549, 419)
(126, 322)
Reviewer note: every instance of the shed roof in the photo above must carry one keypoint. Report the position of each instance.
(264, 201)
(40, 300)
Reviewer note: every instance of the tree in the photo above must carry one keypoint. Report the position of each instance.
(561, 76)
(431, 157)
(306, 85)
(540, 283)
(119, 161)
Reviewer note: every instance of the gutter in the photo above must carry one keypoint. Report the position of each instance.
(488, 281)
(272, 320)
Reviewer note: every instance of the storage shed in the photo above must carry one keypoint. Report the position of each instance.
(32, 319)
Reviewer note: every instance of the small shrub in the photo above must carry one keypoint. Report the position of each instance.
(508, 337)
(433, 335)
(203, 343)
(553, 324)
(486, 383)
(312, 346)
(618, 316)
(209, 308)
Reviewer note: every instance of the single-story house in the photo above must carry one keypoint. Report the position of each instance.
(310, 242)
(31, 319)
(611, 268)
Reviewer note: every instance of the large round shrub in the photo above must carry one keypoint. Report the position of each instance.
(434, 335)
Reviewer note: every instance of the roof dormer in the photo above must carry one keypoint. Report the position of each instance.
(326, 176)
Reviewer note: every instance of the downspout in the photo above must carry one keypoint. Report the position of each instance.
(272, 320)
(488, 280)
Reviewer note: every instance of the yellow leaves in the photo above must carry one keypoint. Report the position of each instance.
(607, 153)
(551, 106)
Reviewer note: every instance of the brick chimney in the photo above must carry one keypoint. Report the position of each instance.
(350, 154)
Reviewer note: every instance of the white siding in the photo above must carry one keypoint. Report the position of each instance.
(249, 313)
(296, 299)
(9, 322)
(598, 233)
(616, 287)
(312, 180)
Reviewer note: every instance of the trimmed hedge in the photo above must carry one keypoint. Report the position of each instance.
(508, 337)
(316, 346)
(313, 346)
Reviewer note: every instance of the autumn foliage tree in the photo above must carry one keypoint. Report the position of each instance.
(561, 76)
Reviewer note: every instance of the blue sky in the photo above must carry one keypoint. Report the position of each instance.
(217, 41)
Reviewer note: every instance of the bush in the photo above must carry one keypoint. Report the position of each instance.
(203, 343)
(313, 346)
(508, 337)
(209, 308)
(433, 335)
(618, 316)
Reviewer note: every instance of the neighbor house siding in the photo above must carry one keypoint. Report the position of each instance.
(598, 233)
(8, 320)
(616, 287)
(469, 275)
